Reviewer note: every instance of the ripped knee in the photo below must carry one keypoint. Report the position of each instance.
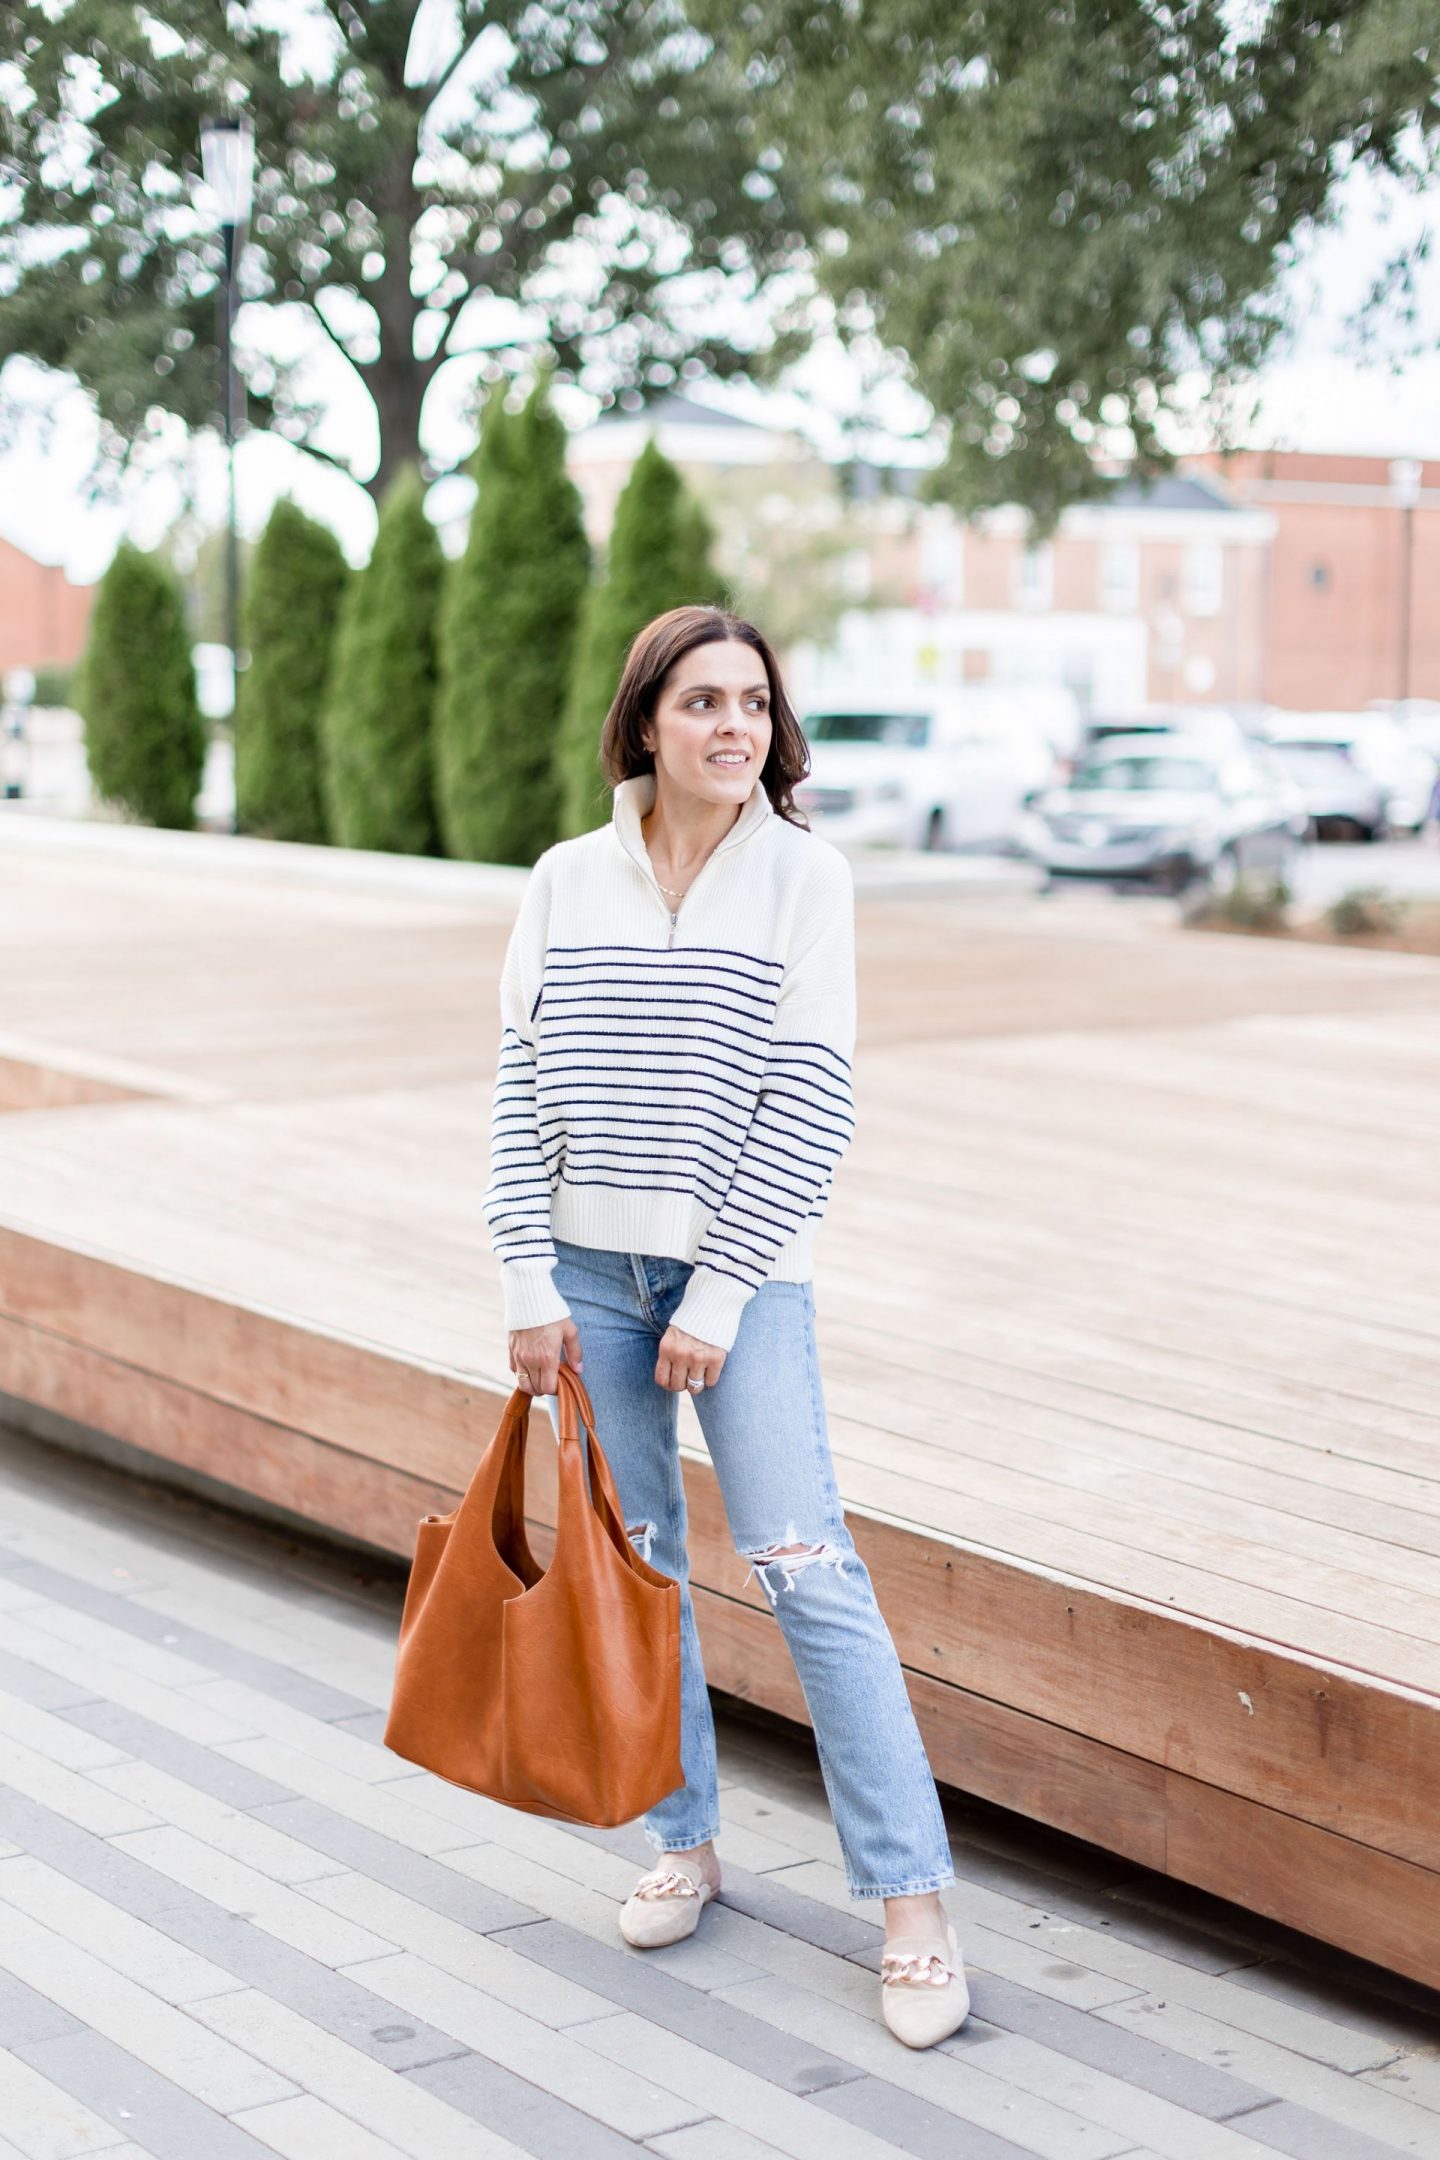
(787, 1557)
(642, 1537)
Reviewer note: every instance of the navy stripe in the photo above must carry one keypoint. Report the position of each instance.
(588, 1003)
(608, 1185)
(674, 1027)
(668, 970)
(685, 1090)
(637, 1040)
(608, 1062)
(640, 1147)
(655, 953)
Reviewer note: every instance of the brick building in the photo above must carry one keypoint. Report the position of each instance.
(43, 617)
(1154, 594)
(1306, 581)
(1352, 610)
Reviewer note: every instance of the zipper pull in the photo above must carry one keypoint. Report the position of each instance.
(673, 920)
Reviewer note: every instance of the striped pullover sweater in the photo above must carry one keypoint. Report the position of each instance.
(674, 1084)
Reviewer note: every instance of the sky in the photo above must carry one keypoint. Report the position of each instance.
(1320, 392)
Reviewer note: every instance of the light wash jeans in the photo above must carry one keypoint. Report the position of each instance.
(764, 1425)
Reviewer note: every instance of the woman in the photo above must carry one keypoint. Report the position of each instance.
(678, 1015)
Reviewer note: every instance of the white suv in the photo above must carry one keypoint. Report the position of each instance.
(924, 773)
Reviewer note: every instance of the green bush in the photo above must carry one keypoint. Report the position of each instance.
(507, 637)
(1365, 911)
(144, 735)
(297, 582)
(1251, 903)
(379, 709)
(659, 559)
(55, 685)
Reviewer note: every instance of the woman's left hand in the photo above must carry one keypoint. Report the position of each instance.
(683, 1358)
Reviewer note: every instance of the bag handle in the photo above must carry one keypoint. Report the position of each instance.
(577, 1411)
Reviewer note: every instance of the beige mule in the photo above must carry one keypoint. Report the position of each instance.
(665, 1905)
(923, 1990)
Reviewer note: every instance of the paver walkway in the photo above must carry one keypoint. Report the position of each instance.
(231, 1924)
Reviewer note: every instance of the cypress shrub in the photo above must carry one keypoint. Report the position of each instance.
(695, 538)
(659, 558)
(297, 582)
(507, 639)
(144, 735)
(379, 709)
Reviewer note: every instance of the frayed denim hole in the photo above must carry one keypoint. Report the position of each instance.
(789, 1556)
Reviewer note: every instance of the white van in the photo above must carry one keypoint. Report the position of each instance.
(929, 771)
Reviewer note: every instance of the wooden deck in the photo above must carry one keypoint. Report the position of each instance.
(1127, 1303)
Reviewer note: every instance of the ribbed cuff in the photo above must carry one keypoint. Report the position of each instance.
(711, 1307)
(531, 1298)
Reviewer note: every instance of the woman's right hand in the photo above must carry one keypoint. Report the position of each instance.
(535, 1354)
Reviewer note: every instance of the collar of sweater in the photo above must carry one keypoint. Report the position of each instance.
(635, 797)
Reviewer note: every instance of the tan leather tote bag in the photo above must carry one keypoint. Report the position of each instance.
(554, 1690)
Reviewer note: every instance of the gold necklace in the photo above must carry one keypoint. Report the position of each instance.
(674, 895)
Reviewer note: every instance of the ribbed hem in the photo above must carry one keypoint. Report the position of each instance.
(531, 1298)
(666, 1225)
(711, 1307)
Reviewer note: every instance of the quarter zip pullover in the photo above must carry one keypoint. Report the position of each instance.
(675, 1083)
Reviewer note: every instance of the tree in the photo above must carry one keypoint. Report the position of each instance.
(297, 582)
(509, 632)
(1057, 212)
(658, 559)
(784, 532)
(144, 736)
(376, 763)
(536, 173)
(200, 564)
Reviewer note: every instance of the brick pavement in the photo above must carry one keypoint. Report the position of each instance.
(233, 1925)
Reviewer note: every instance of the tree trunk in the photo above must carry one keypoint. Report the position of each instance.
(399, 393)
(397, 380)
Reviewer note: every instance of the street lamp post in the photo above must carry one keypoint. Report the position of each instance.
(227, 150)
(1405, 477)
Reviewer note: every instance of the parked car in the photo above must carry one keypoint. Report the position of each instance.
(1420, 718)
(1341, 800)
(1166, 811)
(1379, 753)
(923, 773)
(1212, 724)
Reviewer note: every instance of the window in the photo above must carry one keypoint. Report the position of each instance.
(1204, 578)
(1120, 577)
(1143, 772)
(942, 558)
(910, 730)
(1035, 577)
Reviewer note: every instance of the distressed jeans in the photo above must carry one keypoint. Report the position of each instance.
(764, 1425)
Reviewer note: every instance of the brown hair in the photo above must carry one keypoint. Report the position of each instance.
(653, 654)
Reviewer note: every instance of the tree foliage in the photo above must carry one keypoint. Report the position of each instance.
(376, 762)
(297, 581)
(659, 558)
(535, 173)
(509, 632)
(1058, 211)
(144, 736)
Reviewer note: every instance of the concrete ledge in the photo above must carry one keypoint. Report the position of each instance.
(880, 872)
(239, 855)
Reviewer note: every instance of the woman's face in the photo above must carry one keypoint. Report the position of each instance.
(711, 731)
